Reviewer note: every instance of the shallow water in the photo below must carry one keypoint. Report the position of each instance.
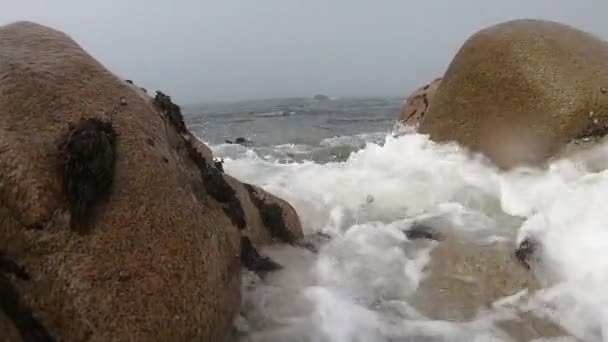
(364, 186)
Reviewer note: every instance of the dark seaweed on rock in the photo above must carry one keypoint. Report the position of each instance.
(219, 164)
(593, 131)
(217, 187)
(272, 216)
(213, 179)
(13, 307)
(88, 157)
(9, 266)
(254, 261)
(173, 111)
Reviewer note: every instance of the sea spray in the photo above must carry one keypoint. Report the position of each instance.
(360, 285)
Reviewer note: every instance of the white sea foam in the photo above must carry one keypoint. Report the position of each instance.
(359, 286)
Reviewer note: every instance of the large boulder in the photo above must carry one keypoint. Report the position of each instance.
(520, 90)
(116, 224)
(417, 104)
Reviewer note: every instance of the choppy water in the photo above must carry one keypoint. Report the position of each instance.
(348, 176)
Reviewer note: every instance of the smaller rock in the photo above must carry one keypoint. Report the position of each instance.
(417, 104)
(419, 231)
(241, 141)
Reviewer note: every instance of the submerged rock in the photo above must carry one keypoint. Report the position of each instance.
(417, 104)
(465, 278)
(157, 256)
(520, 90)
(240, 141)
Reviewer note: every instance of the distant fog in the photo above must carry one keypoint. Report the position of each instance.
(199, 51)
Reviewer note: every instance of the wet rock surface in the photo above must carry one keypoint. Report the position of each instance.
(466, 278)
(416, 105)
(162, 254)
(520, 90)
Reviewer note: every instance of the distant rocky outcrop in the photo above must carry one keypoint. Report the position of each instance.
(520, 90)
(321, 97)
(417, 104)
(240, 141)
(115, 222)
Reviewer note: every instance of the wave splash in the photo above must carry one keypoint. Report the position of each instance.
(365, 283)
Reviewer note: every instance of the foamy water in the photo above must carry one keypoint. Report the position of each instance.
(367, 282)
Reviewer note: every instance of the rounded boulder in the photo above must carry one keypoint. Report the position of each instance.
(520, 90)
(116, 224)
(417, 104)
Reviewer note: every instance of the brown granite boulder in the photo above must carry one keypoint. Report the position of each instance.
(520, 90)
(417, 104)
(269, 218)
(115, 222)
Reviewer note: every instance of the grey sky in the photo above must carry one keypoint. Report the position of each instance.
(235, 49)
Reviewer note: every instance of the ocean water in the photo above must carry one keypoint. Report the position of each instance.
(358, 186)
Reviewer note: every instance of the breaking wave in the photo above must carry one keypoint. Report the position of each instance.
(370, 282)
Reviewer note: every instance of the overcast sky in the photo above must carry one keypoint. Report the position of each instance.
(239, 49)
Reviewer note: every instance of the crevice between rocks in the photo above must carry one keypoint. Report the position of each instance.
(11, 304)
(252, 260)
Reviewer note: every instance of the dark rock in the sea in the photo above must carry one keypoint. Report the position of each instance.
(254, 261)
(420, 231)
(240, 141)
(321, 97)
(525, 252)
(313, 242)
(88, 157)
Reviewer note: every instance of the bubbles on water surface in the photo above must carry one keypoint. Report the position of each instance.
(370, 282)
